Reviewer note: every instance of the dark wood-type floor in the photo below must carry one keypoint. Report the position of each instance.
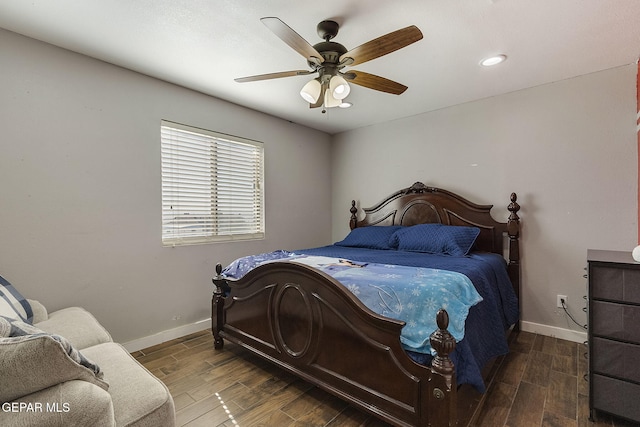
(539, 383)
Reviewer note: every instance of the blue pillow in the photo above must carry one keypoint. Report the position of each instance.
(372, 237)
(12, 304)
(436, 239)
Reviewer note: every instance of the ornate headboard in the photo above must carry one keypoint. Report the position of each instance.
(420, 204)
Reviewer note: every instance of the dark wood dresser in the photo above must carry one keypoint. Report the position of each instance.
(614, 333)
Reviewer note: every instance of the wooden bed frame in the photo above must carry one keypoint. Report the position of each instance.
(309, 324)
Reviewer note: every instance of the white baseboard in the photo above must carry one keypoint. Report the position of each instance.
(167, 335)
(553, 331)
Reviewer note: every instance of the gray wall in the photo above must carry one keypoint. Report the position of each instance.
(80, 222)
(568, 149)
(80, 182)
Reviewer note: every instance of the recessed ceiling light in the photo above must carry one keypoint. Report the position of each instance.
(493, 60)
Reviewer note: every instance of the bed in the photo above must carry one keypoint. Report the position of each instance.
(299, 316)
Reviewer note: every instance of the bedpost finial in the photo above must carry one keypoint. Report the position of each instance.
(443, 343)
(442, 319)
(353, 222)
(514, 207)
(220, 281)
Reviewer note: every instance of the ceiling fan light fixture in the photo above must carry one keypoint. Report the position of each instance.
(339, 87)
(311, 91)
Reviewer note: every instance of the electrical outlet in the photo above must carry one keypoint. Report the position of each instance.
(559, 300)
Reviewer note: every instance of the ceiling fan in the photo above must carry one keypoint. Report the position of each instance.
(328, 59)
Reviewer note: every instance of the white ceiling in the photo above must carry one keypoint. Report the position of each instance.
(205, 44)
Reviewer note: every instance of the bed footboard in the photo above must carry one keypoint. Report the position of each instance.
(309, 324)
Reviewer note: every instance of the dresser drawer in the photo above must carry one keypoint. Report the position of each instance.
(616, 284)
(617, 359)
(617, 397)
(615, 321)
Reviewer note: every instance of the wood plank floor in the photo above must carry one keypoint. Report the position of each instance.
(539, 383)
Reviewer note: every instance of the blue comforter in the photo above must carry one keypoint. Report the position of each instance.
(411, 294)
(491, 306)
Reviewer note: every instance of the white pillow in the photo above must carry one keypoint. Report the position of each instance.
(32, 360)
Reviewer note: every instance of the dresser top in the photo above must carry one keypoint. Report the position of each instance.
(621, 257)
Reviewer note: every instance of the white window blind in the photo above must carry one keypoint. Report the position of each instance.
(211, 186)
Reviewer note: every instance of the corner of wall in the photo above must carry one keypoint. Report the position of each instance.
(638, 133)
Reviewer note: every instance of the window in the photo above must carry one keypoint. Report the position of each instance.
(211, 186)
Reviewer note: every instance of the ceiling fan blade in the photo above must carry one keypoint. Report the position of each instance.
(273, 76)
(293, 39)
(372, 81)
(382, 45)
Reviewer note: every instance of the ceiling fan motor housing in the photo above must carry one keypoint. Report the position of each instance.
(330, 51)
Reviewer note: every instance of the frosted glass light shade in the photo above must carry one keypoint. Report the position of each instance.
(339, 87)
(636, 253)
(330, 101)
(311, 91)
